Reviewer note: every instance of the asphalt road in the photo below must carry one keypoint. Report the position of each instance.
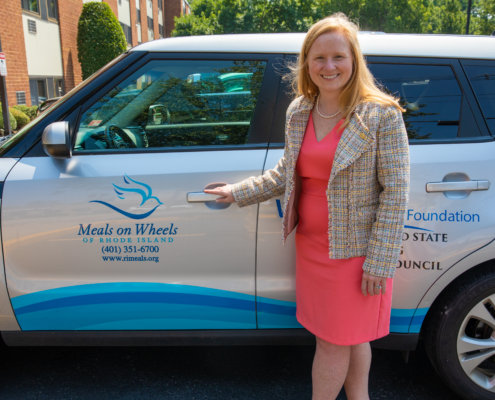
(197, 373)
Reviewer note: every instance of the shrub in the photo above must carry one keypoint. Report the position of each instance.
(13, 121)
(100, 37)
(21, 118)
(29, 111)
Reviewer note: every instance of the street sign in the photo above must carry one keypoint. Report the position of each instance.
(3, 65)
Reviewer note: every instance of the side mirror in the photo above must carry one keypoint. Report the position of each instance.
(56, 140)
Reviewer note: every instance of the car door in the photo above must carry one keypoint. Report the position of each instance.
(120, 236)
(451, 176)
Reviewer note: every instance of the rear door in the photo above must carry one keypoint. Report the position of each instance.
(451, 177)
(120, 235)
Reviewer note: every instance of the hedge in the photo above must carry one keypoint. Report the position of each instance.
(21, 118)
(29, 111)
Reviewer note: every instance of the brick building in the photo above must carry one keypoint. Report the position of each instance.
(39, 39)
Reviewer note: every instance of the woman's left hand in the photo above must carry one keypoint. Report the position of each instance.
(373, 285)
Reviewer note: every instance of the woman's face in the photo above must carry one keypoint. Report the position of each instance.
(330, 62)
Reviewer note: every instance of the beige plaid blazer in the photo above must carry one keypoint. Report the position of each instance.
(367, 191)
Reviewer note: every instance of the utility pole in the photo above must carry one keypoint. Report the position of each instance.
(470, 2)
(3, 93)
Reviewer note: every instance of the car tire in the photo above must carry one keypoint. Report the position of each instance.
(460, 336)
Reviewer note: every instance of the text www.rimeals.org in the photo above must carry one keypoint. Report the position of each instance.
(130, 258)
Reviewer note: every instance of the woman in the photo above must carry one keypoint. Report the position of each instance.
(345, 175)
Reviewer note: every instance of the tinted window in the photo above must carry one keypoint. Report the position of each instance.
(175, 103)
(30, 5)
(430, 94)
(482, 78)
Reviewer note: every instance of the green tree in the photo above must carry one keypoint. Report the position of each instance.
(100, 37)
(483, 17)
(245, 16)
(451, 17)
(414, 16)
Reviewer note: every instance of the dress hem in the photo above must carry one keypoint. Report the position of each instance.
(338, 342)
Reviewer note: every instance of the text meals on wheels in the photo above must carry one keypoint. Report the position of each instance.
(106, 231)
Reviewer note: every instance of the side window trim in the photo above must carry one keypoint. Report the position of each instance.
(261, 117)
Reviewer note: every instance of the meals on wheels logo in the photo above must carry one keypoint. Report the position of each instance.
(118, 243)
(140, 191)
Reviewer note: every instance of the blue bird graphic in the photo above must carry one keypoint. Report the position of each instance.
(142, 190)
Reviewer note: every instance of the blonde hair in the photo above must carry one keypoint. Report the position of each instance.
(361, 85)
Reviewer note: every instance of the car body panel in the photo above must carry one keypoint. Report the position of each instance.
(89, 213)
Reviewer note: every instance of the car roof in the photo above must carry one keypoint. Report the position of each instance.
(372, 43)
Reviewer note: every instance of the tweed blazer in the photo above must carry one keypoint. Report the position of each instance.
(367, 190)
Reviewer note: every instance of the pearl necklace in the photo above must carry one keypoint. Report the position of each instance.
(323, 115)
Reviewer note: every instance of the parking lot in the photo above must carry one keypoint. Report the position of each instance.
(258, 372)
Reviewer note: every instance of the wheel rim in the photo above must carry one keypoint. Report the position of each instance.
(476, 344)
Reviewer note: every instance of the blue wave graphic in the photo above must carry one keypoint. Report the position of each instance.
(134, 306)
(125, 213)
(415, 227)
(407, 320)
(145, 306)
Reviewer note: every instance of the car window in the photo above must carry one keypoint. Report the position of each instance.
(430, 94)
(482, 78)
(175, 103)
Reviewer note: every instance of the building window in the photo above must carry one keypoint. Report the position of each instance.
(185, 7)
(160, 30)
(52, 9)
(59, 87)
(127, 32)
(151, 34)
(138, 11)
(20, 97)
(160, 5)
(39, 92)
(42, 92)
(31, 5)
(138, 30)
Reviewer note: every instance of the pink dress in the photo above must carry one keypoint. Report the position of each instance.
(328, 291)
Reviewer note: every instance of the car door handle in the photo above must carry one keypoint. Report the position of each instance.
(457, 186)
(200, 197)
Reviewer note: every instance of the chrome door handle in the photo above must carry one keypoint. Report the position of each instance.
(200, 197)
(457, 186)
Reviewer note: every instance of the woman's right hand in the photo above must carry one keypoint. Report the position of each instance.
(223, 191)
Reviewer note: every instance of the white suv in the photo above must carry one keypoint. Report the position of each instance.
(106, 232)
